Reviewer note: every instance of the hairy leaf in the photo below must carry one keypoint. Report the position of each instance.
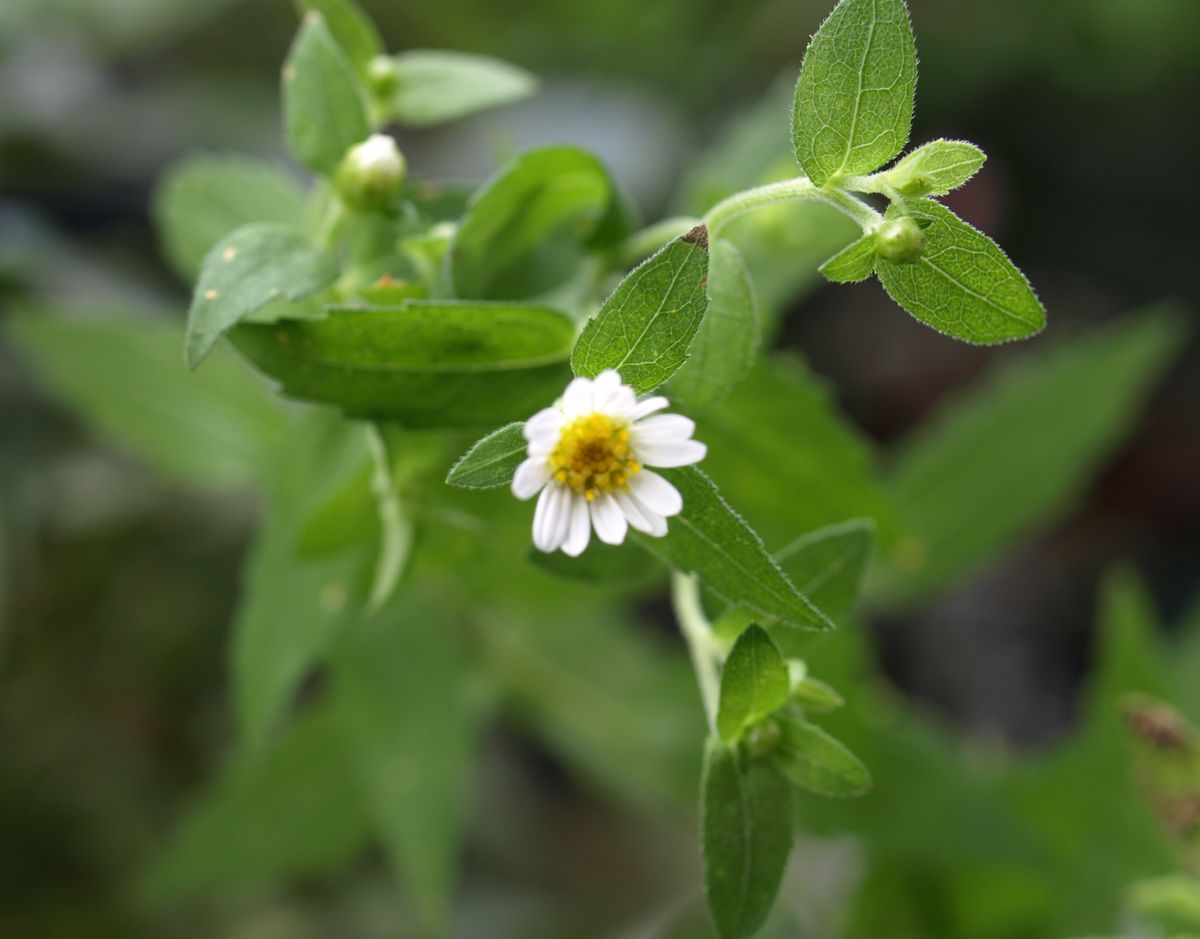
(754, 683)
(723, 350)
(827, 564)
(854, 100)
(746, 836)
(710, 539)
(644, 328)
(814, 760)
(324, 108)
(422, 363)
(935, 168)
(248, 269)
(853, 263)
(433, 87)
(962, 285)
(492, 460)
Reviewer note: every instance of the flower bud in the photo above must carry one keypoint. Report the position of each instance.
(382, 75)
(899, 240)
(762, 738)
(371, 173)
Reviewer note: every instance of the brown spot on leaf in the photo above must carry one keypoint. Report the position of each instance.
(698, 236)
(1159, 727)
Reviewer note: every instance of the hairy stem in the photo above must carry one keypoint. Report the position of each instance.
(790, 190)
(697, 633)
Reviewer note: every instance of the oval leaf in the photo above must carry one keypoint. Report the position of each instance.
(354, 31)
(423, 363)
(324, 109)
(853, 263)
(814, 760)
(710, 539)
(746, 836)
(250, 268)
(754, 683)
(433, 87)
(723, 351)
(963, 285)
(644, 328)
(936, 168)
(854, 100)
(524, 228)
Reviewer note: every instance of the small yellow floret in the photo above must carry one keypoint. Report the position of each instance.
(593, 456)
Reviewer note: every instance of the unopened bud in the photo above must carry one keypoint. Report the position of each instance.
(899, 240)
(762, 738)
(382, 75)
(371, 173)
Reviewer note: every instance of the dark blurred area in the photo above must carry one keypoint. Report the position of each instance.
(113, 613)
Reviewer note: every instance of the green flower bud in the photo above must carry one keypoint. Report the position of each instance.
(371, 174)
(382, 75)
(899, 240)
(762, 738)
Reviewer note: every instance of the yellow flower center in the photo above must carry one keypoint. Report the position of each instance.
(593, 456)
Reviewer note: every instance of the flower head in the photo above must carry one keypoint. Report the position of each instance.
(588, 457)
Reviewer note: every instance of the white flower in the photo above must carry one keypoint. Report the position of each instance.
(588, 456)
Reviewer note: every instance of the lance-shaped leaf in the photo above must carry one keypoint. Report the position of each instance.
(754, 683)
(255, 265)
(723, 351)
(492, 460)
(203, 198)
(814, 760)
(402, 678)
(962, 285)
(710, 539)
(854, 100)
(936, 167)
(324, 107)
(746, 836)
(422, 363)
(853, 263)
(644, 328)
(827, 565)
(432, 87)
(524, 229)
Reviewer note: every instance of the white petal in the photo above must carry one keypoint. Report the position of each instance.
(611, 397)
(641, 517)
(551, 517)
(530, 477)
(663, 427)
(656, 494)
(609, 520)
(577, 399)
(648, 406)
(544, 425)
(579, 528)
(670, 453)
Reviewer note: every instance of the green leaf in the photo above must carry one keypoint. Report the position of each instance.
(422, 363)
(827, 565)
(1007, 457)
(725, 345)
(347, 516)
(814, 760)
(601, 564)
(492, 460)
(746, 836)
(754, 683)
(123, 377)
(853, 263)
(203, 198)
(254, 266)
(812, 694)
(854, 100)
(524, 228)
(962, 285)
(433, 87)
(354, 31)
(935, 168)
(396, 529)
(293, 808)
(324, 107)
(787, 458)
(403, 679)
(644, 328)
(710, 539)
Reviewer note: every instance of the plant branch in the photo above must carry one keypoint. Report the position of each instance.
(790, 190)
(697, 633)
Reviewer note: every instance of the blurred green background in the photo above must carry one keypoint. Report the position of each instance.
(118, 582)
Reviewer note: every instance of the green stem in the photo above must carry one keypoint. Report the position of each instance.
(697, 633)
(790, 190)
